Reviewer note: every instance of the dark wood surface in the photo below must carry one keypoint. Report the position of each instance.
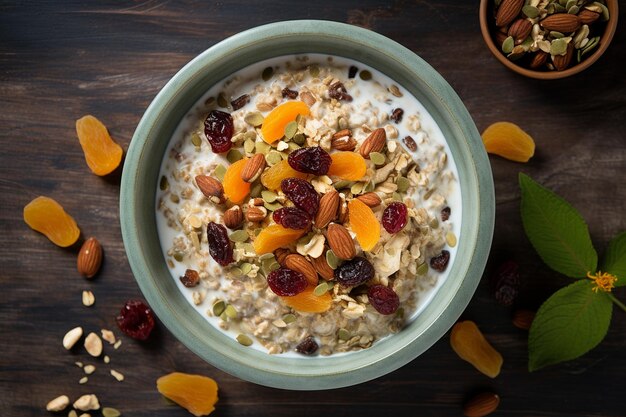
(61, 60)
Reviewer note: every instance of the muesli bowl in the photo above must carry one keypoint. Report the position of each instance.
(140, 199)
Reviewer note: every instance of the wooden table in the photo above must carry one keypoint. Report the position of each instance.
(61, 60)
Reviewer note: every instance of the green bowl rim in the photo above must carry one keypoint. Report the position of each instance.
(321, 372)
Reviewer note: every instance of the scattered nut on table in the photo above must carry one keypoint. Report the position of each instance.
(93, 344)
(88, 298)
(108, 336)
(87, 402)
(60, 403)
(72, 337)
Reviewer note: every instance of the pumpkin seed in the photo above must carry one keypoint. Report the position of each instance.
(248, 146)
(451, 239)
(342, 123)
(314, 70)
(403, 184)
(365, 75)
(164, 184)
(174, 198)
(223, 316)
(299, 139)
(396, 197)
(239, 236)
(262, 147)
(558, 8)
(556, 35)
(593, 42)
(73, 413)
(605, 11)
(507, 45)
(293, 146)
(219, 172)
(289, 318)
(196, 139)
(377, 158)
(266, 256)
(343, 334)
(422, 269)
(218, 308)
(434, 223)
(357, 188)
(236, 272)
(569, 3)
(244, 340)
(290, 129)
(558, 47)
(331, 259)
(221, 100)
(272, 206)
(369, 187)
(550, 9)
(321, 289)
(267, 73)
(254, 119)
(342, 184)
(250, 134)
(230, 311)
(530, 11)
(273, 157)
(393, 89)
(245, 268)
(233, 156)
(256, 189)
(269, 196)
(110, 412)
(573, 10)
(178, 256)
(298, 118)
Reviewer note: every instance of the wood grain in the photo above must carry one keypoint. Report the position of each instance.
(61, 60)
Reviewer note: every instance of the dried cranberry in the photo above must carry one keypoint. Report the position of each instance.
(311, 160)
(218, 128)
(338, 92)
(220, 246)
(240, 101)
(395, 217)
(191, 278)
(287, 93)
(445, 214)
(302, 194)
(352, 71)
(410, 143)
(354, 272)
(440, 262)
(308, 346)
(136, 319)
(286, 282)
(506, 282)
(292, 218)
(383, 299)
(396, 115)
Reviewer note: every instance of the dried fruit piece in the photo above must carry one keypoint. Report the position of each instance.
(196, 393)
(310, 160)
(89, 258)
(308, 346)
(508, 141)
(103, 154)
(275, 236)
(220, 246)
(240, 101)
(274, 124)
(46, 216)
(338, 91)
(235, 188)
(445, 214)
(354, 272)
(136, 319)
(218, 128)
(302, 194)
(273, 176)
(292, 218)
(383, 299)
(440, 262)
(506, 282)
(481, 405)
(286, 282)
(469, 343)
(287, 93)
(523, 319)
(349, 166)
(308, 302)
(396, 115)
(395, 217)
(363, 222)
(191, 278)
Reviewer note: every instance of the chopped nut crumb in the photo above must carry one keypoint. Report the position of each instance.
(89, 369)
(88, 298)
(108, 336)
(93, 344)
(117, 344)
(117, 375)
(83, 380)
(107, 359)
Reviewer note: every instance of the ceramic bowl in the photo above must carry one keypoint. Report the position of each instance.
(139, 184)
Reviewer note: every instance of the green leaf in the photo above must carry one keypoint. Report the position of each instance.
(570, 323)
(615, 259)
(556, 230)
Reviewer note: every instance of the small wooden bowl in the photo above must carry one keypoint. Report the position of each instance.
(487, 26)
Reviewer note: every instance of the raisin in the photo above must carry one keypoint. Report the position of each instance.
(302, 194)
(506, 282)
(191, 278)
(292, 218)
(396, 115)
(445, 214)
(395, 217)
(352, 71)
(287, 93)
(136, 319)
(240, 101)
(410, 143)
(354, 272)
(339, 92)
(286, 282)
(220, 246)
(383, 299)
(311, 160)
(440, 262)
(218, 128)
(308, 346)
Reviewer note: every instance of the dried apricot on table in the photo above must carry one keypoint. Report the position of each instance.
(274, 124)
(46, 216)
(275, 236)
(235, 188)
(469, 343)
(196, 393)
(308, 302)
(348, 166)
(103, 154)
(363, 222)
(509, 141)
(273, 176)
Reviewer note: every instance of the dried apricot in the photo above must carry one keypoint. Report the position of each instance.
(363, 222)
(509, 141)
(348, 166)
(196, 393)
(236, 189)
(46, 216)
(469, 343)
(102, 154)
(308, 302)
(275, 236)
(274, 124)
(273, 176)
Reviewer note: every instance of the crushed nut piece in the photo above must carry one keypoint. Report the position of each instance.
(58, 404)
(108, 336)
(93, 344)
(107, 359)
(117, 375)
(87, 402)
(72, 337)
(117, 344)
(83, 380)
(89, 369)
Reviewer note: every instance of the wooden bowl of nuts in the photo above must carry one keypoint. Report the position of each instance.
(548, 39)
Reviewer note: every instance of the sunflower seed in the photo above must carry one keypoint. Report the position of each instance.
(248, 146)
(422, 269)
(395, 90)
(357, 188)
(110, 412)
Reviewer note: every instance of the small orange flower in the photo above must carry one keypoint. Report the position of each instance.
(603, 280)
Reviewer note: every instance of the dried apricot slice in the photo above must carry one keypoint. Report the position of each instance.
(46, 216)
(348, 166)
(469, 343)
(509, 141)
(102, 154)
(274, 124)
(235, 188)
(272, 177)
(363, 222)
(196, 393)
(275, 236)
(308, 302)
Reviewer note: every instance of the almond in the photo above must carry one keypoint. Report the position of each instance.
(256, 214)
(299, 263)
(322, 267)
(507, 11)
(343, 141)
(328, 209)
(561, 22)
(561, 62)
(523, 319)
(587, 17)
(89, 258)
(370, 199)
(253, 168)
(210, 187)
(281, 254)
(481, 405)
(233, 217)
(539, 59)
(375, 142)
(520, 29)
(340, 241)
(342, 212)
